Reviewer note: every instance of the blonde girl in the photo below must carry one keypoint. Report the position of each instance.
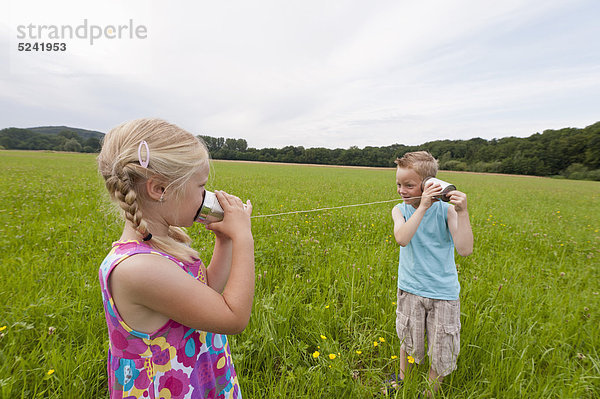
(166, 312)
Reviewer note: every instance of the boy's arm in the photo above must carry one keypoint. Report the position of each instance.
(459, 224)
(405, 230)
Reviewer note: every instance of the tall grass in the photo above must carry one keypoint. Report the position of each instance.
(325, 283)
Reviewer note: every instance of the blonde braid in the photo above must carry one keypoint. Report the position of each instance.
(121, 188)
(180, 235)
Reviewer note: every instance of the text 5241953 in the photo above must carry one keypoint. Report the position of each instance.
(42, 46)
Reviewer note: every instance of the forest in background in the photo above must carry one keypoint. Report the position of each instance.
(572, 153)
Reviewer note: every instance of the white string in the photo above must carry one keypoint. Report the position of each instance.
(333, 207)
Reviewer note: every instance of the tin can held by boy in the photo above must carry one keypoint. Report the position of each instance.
(210, 211)
(446, 187)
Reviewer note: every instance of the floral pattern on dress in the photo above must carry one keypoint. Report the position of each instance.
(175, 361)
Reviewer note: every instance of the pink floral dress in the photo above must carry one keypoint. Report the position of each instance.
(175, 361)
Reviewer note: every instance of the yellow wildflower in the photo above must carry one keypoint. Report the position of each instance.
(381, 339)
(323, 337)
(410, 359)
(316, 354)
(332, 356)
(2, 328)
(394, 357)
(375, 343)
(358, 352)
(51, 371)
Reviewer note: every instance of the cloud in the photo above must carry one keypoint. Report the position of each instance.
(318, 74)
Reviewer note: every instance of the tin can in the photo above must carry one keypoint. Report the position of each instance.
(446, 187)
(211, 210)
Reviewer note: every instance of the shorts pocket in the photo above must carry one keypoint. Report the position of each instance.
(402, 330)
(449, 348)
(452, 329)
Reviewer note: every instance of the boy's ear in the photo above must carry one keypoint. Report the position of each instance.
(155, 187)
(423, 182)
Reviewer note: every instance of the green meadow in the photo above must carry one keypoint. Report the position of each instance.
(323, 321)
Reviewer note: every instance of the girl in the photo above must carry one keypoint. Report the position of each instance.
(166, 312)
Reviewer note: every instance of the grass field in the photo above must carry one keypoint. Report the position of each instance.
(325, 282)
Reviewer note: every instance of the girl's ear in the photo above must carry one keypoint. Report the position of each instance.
(155, 188)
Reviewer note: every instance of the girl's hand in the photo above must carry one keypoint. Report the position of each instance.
(459, 200)
(428, 195)
(236, 220)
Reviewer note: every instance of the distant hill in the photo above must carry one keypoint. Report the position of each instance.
(570, 152)
(54, 138)
(83, 133)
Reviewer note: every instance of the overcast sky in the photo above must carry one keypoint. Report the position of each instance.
(312, 73)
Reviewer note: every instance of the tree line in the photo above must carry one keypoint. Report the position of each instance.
(570, 152)
(24, 139)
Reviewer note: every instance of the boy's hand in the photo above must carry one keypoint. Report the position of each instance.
(428, 195)
(459, 200)
(236, 219)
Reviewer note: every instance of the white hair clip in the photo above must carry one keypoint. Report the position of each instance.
(144, 163)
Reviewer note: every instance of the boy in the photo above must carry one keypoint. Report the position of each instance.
(428, 231)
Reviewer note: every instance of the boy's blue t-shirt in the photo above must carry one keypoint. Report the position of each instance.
(426, 266)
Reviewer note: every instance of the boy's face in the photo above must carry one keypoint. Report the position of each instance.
(408, 183)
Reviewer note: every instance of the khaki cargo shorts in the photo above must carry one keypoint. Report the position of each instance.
(440, 319)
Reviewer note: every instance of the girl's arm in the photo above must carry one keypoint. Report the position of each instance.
(158, 288)
(459, 223)
(218, 271)
(220, 265)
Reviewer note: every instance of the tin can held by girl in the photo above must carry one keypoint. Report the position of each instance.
(446, 187)
(210, 211)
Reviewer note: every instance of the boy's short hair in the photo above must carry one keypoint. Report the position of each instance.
(421, 162)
